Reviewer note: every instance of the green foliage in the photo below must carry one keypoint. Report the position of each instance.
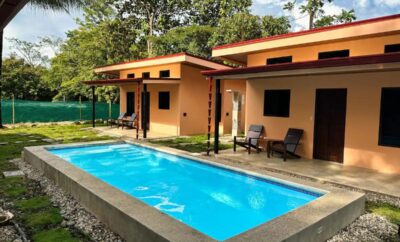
(24, 80)
(63, 5)
(192, 39)
(59, 235)
(33, 204)
(392, 213)
(243, 26)
(343, 17)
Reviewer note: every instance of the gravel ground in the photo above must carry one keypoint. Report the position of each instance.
(367, 228)
(8, 233)
(75, 216)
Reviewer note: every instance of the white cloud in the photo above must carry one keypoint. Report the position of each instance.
(362, 3)
(389, 3)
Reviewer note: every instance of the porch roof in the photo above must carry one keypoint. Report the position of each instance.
(126, 81)
(8, 10)
(381, 62)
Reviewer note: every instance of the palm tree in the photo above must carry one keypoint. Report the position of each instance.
(55, 5)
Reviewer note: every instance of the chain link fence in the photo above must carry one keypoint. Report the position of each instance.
(24, 111)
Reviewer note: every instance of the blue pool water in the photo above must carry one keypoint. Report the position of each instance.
(217, 202)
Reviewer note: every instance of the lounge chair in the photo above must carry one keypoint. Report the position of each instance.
(118, 121)
(252, 140)
(287, 146)
(130, 122)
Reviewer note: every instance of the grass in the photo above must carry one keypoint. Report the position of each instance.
(34, 211)
(59, 235)
(392, 213)
(194, 144)
(34, 204)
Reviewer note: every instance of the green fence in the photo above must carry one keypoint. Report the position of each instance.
(37, 111)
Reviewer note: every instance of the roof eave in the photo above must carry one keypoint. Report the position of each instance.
(9, 11)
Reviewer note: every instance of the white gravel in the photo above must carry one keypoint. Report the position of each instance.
(75, 216)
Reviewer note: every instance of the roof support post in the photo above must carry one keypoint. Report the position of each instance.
(137, 109)
(93, 106)
(217, 116)
(1, 66)
(210, 81)
(144, 111)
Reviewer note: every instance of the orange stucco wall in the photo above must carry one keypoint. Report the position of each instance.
(175, 71)
(366, 46)
(362, 121)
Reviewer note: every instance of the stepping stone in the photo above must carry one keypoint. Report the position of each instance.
(21, 134)
(48, 140)
(83, 137)
(3, 143)
(32, 141)
(18, 142)
(59, 139)
(17, 173)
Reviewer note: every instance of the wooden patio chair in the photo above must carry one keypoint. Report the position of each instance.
(287, 146)
(130, 122)
(117, 122)
(251, 140)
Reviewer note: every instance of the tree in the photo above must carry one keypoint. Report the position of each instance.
(209, 12)
(244, 26)
(191, 39)
(314, 9)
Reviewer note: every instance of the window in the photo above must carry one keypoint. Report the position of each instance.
(163, 100)
(277, 103)
(131, 75)
(146, 74)
(392, 48)
(389, 132)
(279, 60)
(164, 73)
(333, 54)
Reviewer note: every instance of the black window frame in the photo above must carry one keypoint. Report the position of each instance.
(131, 75)
(389, 141)
(145, 74)
(392, 48)
(162, 103)
(163, 73)
(271, 97)
(326, 55)
(280, 60)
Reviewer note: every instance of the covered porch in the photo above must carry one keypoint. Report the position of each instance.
(140, 105)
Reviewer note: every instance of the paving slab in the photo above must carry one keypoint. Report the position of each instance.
(17, 173)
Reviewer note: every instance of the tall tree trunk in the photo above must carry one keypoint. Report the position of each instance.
(1, 80)
(312, 16)
(151, 29)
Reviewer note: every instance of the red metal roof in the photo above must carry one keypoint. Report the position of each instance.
(306, 32)
(162, 57)
(8, 10)
(105, 82)
(337, 62)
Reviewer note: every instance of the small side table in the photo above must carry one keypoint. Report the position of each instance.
(269, 144)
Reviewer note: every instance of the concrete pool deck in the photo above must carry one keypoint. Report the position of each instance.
(322, 171)
(135, 221)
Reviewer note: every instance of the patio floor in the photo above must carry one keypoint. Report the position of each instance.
(332, 172)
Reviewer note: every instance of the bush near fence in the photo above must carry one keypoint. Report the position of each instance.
(39, 111)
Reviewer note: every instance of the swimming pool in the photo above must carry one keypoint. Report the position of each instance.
(218, 202)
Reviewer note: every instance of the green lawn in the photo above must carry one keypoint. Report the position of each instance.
(34, 210)
(392, 213)
(194, 144)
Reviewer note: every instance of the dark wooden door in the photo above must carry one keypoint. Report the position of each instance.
(146, 110)
(130, 103)
(330, 123)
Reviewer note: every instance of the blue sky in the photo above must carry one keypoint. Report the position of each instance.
(32, 23)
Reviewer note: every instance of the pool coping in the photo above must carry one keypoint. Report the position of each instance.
(136, 221)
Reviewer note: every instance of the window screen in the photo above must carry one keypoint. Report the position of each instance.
(392, 48)
(164, 73)
(131, 75)
(334, 54)
(277, 103)
(389, 134)
(279, 60)
(163, 100)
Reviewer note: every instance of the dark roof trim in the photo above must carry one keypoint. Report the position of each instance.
(337, 62)
(109, 82)
(306, 32)
(8, 10)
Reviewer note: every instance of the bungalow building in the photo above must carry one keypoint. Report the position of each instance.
(340, 84)
(177, 100)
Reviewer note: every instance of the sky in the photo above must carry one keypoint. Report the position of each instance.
(32, 23)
